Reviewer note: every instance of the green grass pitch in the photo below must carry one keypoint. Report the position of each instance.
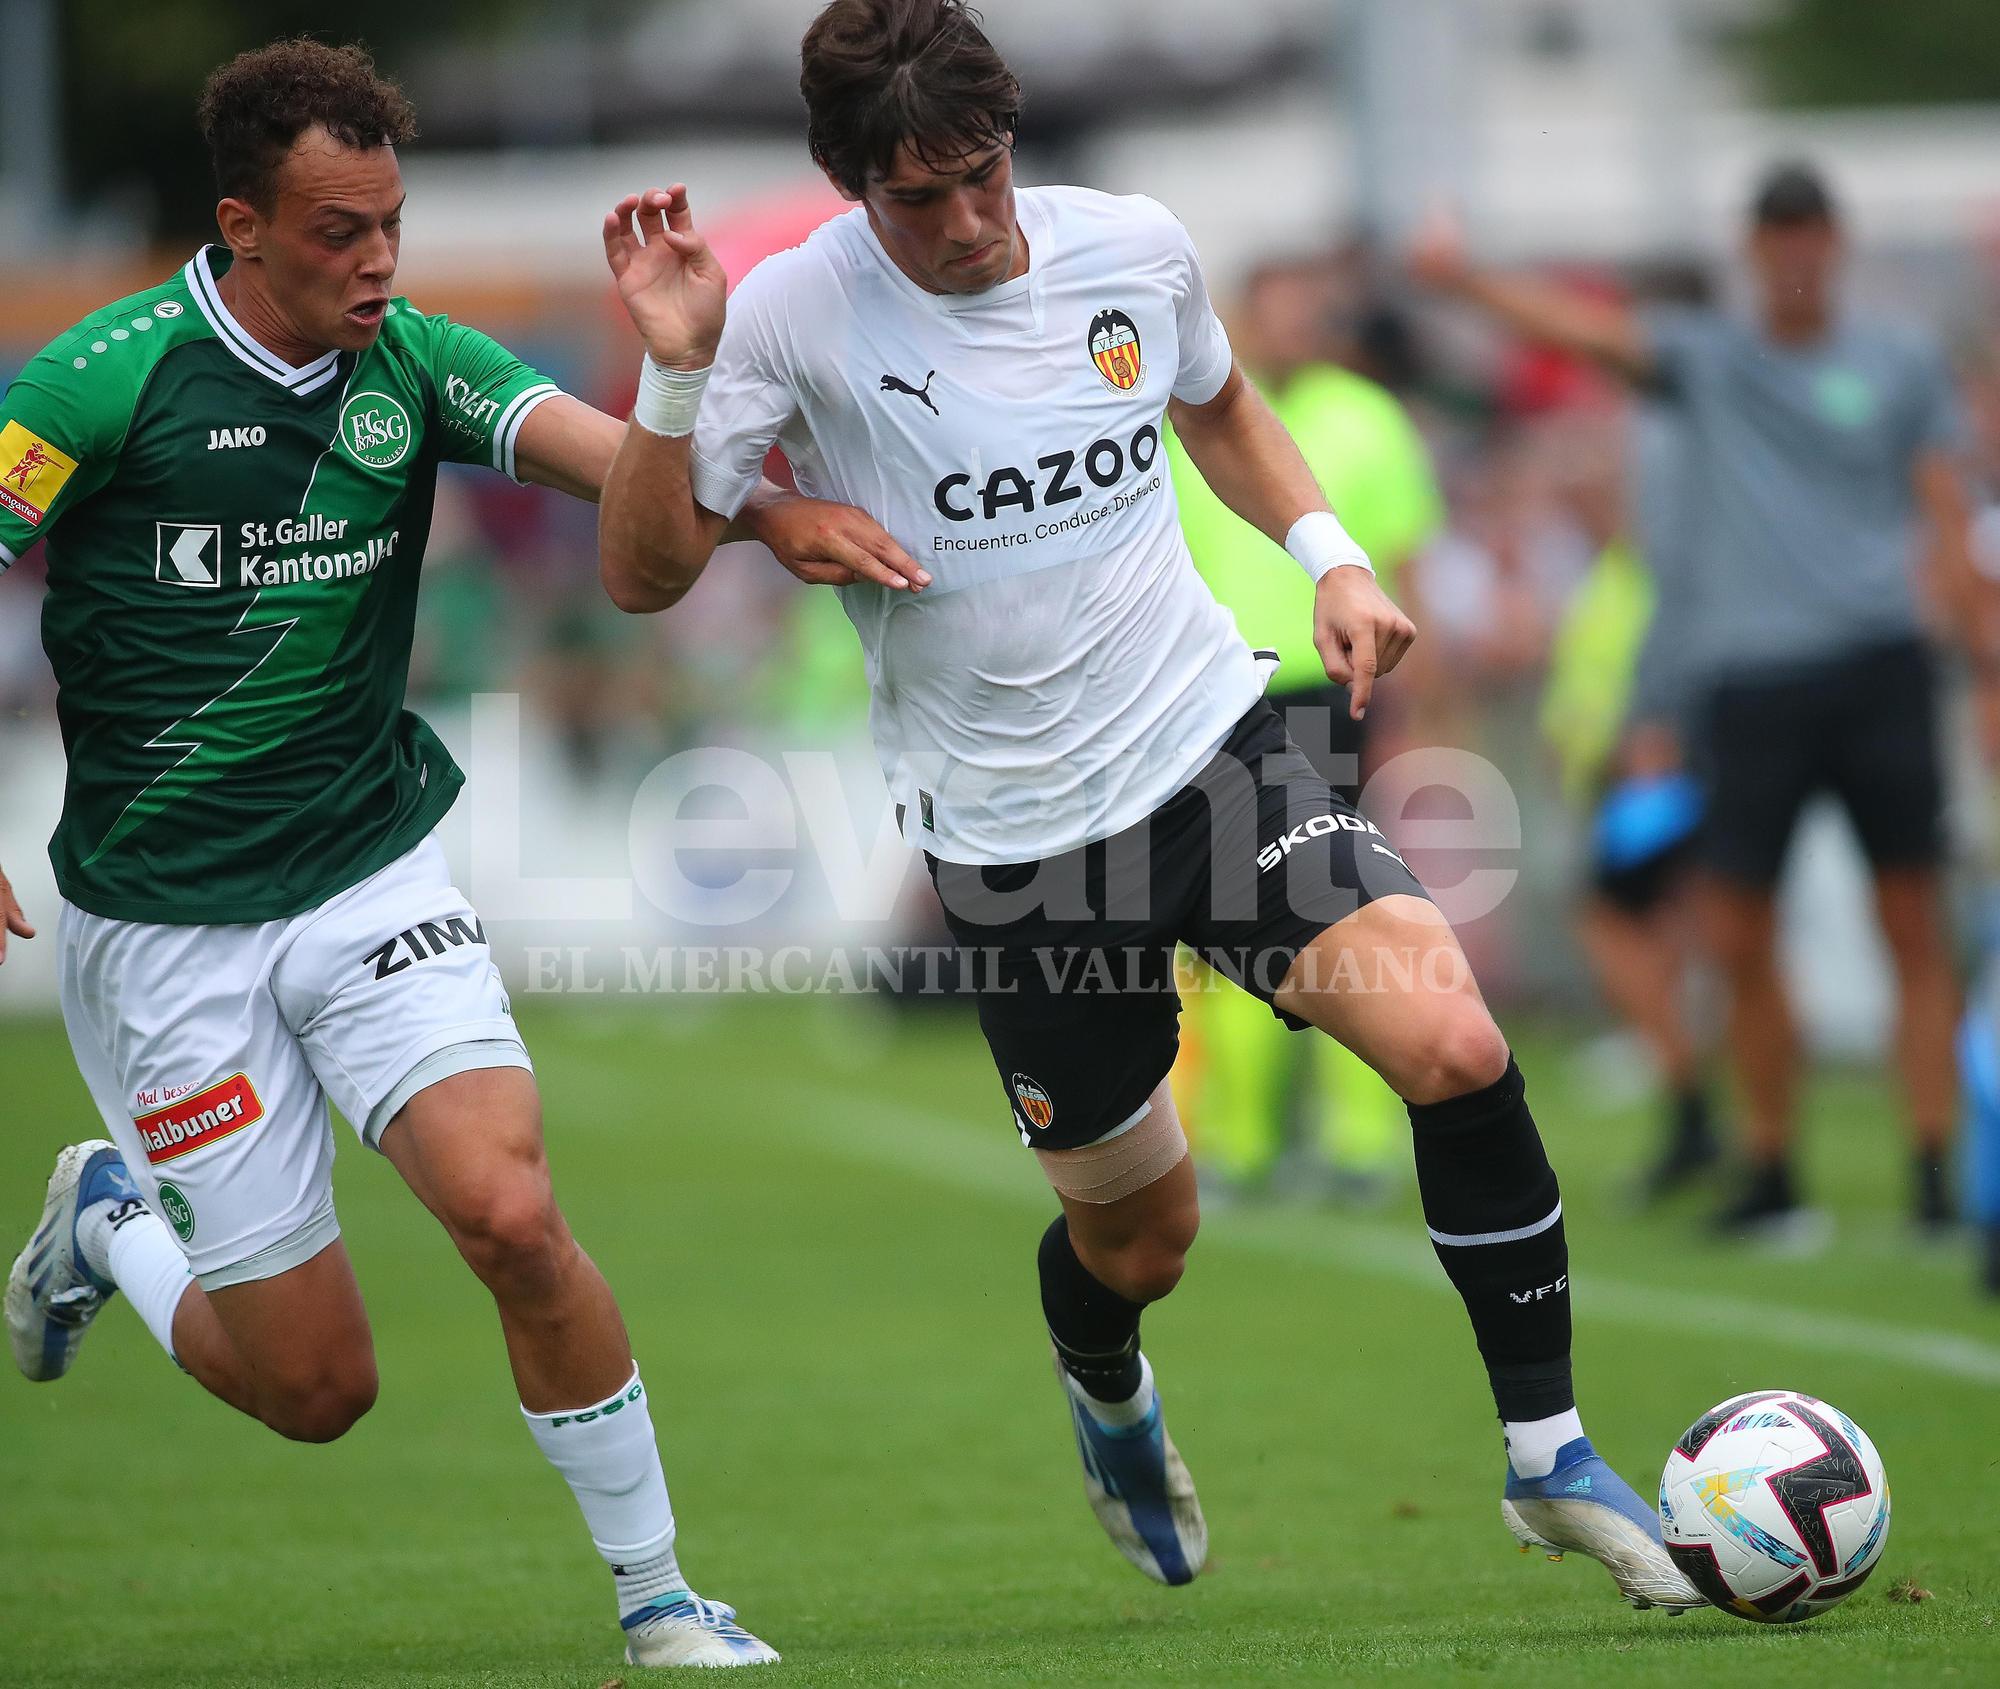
(823, 1233)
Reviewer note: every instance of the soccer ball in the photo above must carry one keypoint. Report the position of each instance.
(1775, 1506)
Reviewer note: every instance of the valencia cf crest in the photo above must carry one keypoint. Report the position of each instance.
(1036, 1108)
(1114, 349)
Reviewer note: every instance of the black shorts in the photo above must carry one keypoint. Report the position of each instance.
(1072, 956)
(1321, 724)
(1862, 727)
(1638, 888)
(1643, 840)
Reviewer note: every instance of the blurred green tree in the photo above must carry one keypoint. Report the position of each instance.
(131, 71)
(1878, 52)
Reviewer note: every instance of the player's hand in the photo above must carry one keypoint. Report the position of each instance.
(668, 279)
(1360, 634)
(1437, 256)
(827, 544)
(1651, 750)
(11, 918)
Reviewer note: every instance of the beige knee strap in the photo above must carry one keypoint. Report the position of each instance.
(1149, 1148)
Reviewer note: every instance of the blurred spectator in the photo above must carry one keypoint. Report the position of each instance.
(1823, 460)
(1612, 712)
(1241, 1069)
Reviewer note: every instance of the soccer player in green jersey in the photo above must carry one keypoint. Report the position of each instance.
(234, 471)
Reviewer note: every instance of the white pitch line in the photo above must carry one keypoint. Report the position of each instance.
(901, 1140)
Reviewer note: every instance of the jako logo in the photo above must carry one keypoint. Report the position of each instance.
(196, 1121)
(1317, 828)
(375, 430)
(224, 439)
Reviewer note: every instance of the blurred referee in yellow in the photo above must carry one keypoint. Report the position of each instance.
(1240, 1078)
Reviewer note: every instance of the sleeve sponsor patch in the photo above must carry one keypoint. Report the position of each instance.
(32, 472)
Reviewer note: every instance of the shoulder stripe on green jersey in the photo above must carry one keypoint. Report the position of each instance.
(508, 429)
(311, 480)
(7, 557)
(307, 378)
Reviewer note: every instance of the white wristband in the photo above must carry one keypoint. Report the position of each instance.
(669, 398)
(1322, 545)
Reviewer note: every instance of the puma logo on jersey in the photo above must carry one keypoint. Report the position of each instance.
(896, 384)
(227, 439)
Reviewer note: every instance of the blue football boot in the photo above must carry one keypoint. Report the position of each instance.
(1584, 1507)
(52, 1295)
(1140, 1490)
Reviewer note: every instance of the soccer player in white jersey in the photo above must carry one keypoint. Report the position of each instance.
(1072, 729)
(234, 471)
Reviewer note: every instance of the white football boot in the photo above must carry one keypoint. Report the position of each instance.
(685, 1630)
(52, 1296)
(1584, 1507)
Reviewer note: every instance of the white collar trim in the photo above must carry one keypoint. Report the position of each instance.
(303, 379)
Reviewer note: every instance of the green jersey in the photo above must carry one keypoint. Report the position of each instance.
(233, 551)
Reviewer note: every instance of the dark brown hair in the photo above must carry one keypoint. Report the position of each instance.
(878, 73)
(256, 107)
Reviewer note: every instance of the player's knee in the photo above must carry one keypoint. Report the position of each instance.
(1147, 1268)
(1145, 1272)
(513, 1235)
(324, 1410)
(1740, 939)
(1464, 1052)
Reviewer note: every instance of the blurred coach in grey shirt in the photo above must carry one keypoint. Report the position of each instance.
(1822, 477)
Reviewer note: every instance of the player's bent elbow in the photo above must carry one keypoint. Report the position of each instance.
(637, 595)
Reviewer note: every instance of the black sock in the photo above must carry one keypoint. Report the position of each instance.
(1770, 1183)
(1933, 1189)
(1691, 1128)
(1095, 1330)
(1495, 1217)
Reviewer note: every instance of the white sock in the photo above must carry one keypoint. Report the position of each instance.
(1532, 1443)
(1116, 1416)
(611, 1461)
(127, 1243)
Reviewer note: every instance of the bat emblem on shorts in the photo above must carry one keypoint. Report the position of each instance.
(1036, 1107)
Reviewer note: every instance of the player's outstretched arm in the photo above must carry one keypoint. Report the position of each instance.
(654, 540)
(1598, 329)
(654, 537)
(570, 446)
(11, 918)
(1255, 467)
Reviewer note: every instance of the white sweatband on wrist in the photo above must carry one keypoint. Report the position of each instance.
(1322, 545)
(669, 398)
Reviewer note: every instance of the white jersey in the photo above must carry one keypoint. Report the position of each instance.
(1067, 670)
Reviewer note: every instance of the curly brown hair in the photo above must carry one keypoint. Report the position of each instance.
(254, 109)
(878, 73)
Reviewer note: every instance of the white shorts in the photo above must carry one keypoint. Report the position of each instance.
(212, 1051)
